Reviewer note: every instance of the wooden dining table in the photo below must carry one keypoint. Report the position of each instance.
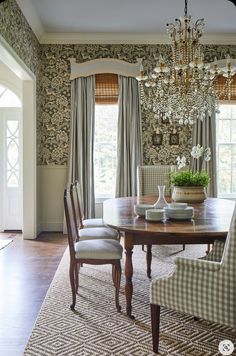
(211, 221)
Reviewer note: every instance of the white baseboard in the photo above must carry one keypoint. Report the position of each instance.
(56, 226)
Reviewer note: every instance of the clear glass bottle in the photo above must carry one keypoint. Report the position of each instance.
(161, 202)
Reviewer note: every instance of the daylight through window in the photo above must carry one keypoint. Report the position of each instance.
(105, 150)
(226, 149)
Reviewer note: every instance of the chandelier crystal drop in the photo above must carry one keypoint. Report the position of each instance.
(184, 90)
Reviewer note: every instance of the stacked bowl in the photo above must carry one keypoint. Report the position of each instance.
(140, 209)
(179, 211)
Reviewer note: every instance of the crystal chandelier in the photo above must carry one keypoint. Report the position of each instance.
(184, 90)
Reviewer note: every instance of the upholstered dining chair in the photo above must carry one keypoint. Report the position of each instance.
(85, 222)
(87, 230)
(148, 179)
(204, 288)
(95, 252)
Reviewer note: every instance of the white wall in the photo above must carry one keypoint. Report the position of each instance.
(8, 78)
(51, 184)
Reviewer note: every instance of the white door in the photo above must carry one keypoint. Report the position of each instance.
(10, 169)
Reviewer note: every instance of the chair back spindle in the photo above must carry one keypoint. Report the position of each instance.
(70, 221)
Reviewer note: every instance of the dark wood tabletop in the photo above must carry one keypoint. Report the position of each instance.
(211, 221)
(212, 217)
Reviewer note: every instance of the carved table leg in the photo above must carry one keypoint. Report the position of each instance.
(208, 248)
(128, 274)
(149, 260)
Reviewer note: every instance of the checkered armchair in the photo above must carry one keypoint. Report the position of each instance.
(205, 288)
(149, 177)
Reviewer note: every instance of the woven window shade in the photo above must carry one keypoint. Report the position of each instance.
(107, 88)
(220, 83)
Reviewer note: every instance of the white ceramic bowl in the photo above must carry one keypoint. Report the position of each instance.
(178, 214)
(154, 214)
(140, 209)
(177, 205)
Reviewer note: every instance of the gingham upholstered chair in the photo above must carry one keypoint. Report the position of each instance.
(148, 179)
(204, 288)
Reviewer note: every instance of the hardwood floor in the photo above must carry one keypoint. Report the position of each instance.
(27, 268)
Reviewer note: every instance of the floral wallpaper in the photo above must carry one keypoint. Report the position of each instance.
(53, 135)
(18, 34)
(16, 31)
(50, 64)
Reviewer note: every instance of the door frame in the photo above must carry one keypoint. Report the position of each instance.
(29, 183)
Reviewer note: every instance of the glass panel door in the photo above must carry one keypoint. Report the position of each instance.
(10, 169)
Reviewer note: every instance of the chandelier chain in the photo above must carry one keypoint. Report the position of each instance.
(186, 8)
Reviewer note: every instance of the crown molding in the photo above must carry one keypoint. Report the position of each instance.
(44, 37)
(127, 38)
(31, 16)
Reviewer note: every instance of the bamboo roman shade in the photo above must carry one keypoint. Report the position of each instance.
(106, 88)
(221, 83)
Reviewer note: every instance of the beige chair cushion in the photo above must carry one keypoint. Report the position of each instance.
(98, 249)
(98, 233)
(93, 223)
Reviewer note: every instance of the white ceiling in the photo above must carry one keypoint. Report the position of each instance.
(124, 21)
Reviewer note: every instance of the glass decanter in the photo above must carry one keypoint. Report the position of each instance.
(161, 202)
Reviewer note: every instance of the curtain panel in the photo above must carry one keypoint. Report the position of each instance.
(129, 140)
(204, 134)
(80, 164)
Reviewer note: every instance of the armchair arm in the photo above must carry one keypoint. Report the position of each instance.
(182, 262)
(216, 253)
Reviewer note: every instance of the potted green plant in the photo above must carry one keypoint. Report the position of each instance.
(190, 186)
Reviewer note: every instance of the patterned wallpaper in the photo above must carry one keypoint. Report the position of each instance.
(54, 120)
(17, 32)
(51, 65)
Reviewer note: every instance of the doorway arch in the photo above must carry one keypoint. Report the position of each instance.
(18, 67)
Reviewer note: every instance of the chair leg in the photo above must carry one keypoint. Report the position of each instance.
(117, 268)
(183, 247)
(142, 247)
(114, 274)
(155, 319)
(76, 277)
(149, 260)
(72, 283)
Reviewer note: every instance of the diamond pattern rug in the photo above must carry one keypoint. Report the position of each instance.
(95, 328)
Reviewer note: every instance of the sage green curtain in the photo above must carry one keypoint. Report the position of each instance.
(129, 140)
(204, 134)
(80, 163)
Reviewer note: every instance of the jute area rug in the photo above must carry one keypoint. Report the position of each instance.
(95, 328)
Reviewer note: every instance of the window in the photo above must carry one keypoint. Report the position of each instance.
(105, 140)
(226, 149)
(105, 144)
(8, 98)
